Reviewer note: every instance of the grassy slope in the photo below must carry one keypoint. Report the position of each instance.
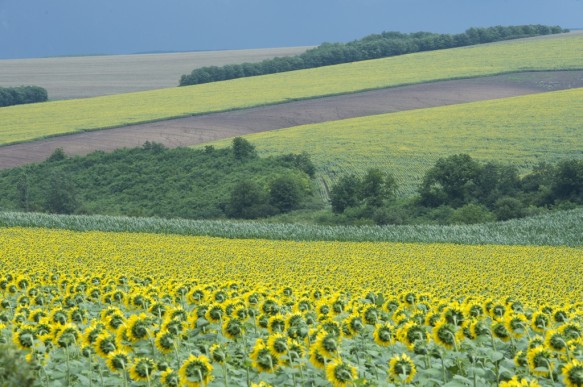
(28, 122)
(557, 229)
(520, 130)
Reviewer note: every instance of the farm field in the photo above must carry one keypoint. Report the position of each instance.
(554, 229)
(199, 129)
(522, 131)
(159, 309)
(25, 123)
(91, 76)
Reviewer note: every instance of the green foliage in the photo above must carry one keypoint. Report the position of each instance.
(20, 95)
(14, 369)
(249, 201)
(243, 150)
(562, 228)
(568, 181)
(472, 214)
(344, 194)
(385, 44)
(146, 181)
(286, 193)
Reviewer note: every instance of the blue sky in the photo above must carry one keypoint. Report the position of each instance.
(41, 28)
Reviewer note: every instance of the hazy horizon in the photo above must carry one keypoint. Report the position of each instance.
(37, 28)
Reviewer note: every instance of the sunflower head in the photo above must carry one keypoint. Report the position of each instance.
(340, 374)
(573, 373)
(142, 369)
(384, 334)
(402, 369)
(117, 361)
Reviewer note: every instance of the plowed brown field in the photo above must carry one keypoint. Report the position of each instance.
(200, 129)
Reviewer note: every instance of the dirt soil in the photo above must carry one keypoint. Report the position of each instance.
(200, 129)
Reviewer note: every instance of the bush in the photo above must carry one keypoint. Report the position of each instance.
(471, 214)
(20, 95)
(509, 208)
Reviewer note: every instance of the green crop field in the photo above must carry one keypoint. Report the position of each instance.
(522, 131)
(28, 122)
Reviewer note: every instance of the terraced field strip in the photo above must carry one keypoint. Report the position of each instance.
(522, 131)
(91, 76)
(193, 130)
(28, 122)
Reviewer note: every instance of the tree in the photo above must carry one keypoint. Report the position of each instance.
(248, 201)
(344, 194)
(376, 187)
(243, 149)
(286, 193)
(568, 181)
(60, 196)
(450, 181)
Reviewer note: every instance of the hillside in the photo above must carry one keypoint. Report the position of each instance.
(150, 181)
(522, 131)
(25, 123)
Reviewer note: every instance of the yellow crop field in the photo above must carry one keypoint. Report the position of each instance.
(144, 309)
(27, 122)
(522, 131)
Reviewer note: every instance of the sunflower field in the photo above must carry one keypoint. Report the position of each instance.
(121, 309)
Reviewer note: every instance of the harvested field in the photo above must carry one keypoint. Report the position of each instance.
(91, 76)
(204, 128)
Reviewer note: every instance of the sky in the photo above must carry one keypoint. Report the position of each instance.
(45, 28)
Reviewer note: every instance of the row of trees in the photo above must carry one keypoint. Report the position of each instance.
(370, 47)
(23, 94)
(459, 189)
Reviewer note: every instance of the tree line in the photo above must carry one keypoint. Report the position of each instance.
(22, 94)
(459, 189)
(374, 46)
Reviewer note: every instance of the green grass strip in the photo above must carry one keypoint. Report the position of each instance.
(555, 229)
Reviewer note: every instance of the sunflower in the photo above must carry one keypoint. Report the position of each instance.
(317, 359)
(24, 337)
(276, 323)
(328, 344)
(263, 359)
(91, 333)
(195, 371)
(104, 344)
(540, 357)
(412, 332)
(500, 331)
(573, 373)
(555, 341)
(232, 328)
(67, 336)
(454, 315)
(444, 334)
(515, 382)
(217, 353)
(339, 374)
(540, 321)
(117, 361)
(165, 341)
(240, 313)
(169, 378)
(402, 369)
(278, 344)
(214, 313)
(138, 327)
(516, 323)
(354, 323)
(384, 334)
(142, 369)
